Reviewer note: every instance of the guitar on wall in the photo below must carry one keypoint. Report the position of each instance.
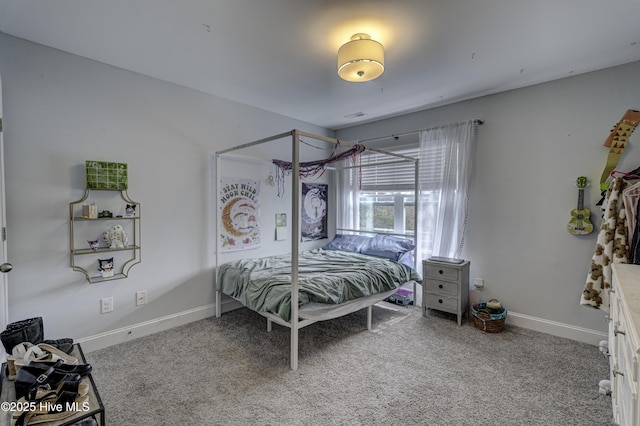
(579, 223)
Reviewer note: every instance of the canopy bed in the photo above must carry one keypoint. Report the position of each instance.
(352, 272)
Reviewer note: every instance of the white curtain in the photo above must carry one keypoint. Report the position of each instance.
(347, 200)
(444, 188)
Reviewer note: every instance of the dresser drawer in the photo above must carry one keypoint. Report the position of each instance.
(626, 354)
(614, 324)
(441, 272)
(442, 303)
(624, 317)
(627, 398)
(441, 287)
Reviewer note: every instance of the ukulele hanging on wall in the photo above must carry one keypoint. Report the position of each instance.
(579, 223)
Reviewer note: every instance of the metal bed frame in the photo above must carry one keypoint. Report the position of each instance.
(296, 322)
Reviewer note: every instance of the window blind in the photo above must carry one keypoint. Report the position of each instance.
(385, 173)
(382, 172)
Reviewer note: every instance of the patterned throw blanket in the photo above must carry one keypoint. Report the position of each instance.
(611, 247)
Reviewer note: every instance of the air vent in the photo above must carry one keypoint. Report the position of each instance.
(355, 115)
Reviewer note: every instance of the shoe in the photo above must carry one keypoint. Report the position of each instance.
(45, 404)
(43, 352)
(65, 345)
(29, 330)
(32, 371)
(32, 331)
(28, 380)
(25, 353)
(82, 369)
(72, 407)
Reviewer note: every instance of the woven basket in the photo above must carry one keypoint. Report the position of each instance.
(489, 323)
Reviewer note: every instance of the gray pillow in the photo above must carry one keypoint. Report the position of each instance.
(352, 243)
(388, 246)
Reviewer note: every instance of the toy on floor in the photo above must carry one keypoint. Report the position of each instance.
(403, 297)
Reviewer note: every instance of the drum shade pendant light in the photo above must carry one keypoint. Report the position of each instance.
(361, 59)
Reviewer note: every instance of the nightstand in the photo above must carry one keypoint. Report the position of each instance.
(445, 287)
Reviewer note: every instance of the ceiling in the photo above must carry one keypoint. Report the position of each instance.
(280, 55)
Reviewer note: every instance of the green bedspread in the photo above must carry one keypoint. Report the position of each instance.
(325, 276)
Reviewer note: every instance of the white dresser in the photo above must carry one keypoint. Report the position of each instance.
(624, 344)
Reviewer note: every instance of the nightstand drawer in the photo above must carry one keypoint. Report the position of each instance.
(441, 272)
(442, 303)
(441, 287)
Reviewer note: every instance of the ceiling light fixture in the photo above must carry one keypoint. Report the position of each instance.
(361, 59)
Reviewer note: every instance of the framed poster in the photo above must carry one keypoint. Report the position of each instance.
(314, 211)
(239, 213)
(281, 226)
(281, 220)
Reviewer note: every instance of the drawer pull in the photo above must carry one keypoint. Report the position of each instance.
(441, 272)
(439, 300)
(440, 286)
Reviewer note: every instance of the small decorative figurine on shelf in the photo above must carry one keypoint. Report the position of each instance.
(130, 210)
(90, 211)
(105, 213)
(105, 266)
(93, 245)
(116, 237)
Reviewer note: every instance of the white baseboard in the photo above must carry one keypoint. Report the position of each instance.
(554, 328)
(120, 335)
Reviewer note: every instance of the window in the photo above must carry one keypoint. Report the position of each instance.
(385, 201)
(379, 196)
(387, 211)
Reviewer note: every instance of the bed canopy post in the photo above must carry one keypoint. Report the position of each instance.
(217, 210)
(217, 226)
(416, 195)
(295, 232)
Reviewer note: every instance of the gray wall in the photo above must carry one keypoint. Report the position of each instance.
(533, 145)
(60, 110)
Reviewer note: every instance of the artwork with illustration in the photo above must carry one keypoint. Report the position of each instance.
(314, 211)
(239, 204)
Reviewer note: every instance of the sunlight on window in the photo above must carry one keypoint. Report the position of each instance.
(388, 211)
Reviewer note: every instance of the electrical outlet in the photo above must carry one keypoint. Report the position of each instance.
(479, 283)
(106, 305)
(141, 297)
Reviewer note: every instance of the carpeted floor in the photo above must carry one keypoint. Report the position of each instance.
(409, 370)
